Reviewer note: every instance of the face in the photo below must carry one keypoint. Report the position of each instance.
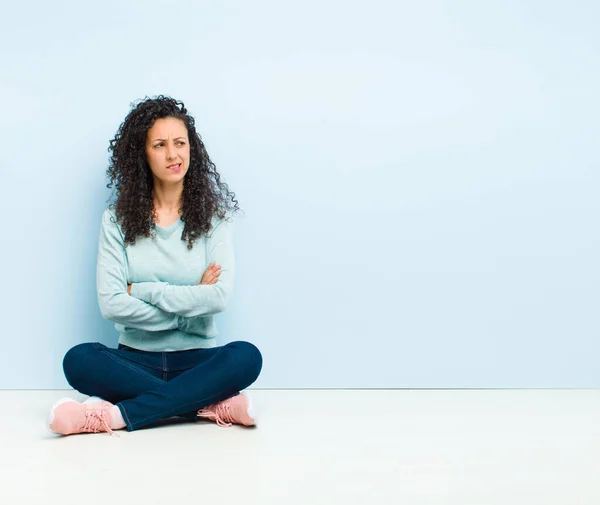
(168, 150)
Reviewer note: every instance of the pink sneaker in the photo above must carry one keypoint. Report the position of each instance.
(234, 410)
(68, 416)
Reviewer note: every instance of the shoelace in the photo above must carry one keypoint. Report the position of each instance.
(95, 420)
(222, 415)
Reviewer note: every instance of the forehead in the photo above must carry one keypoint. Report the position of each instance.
(168, 127)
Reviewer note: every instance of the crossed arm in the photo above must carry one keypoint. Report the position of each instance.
(210, 276)
(156, 306)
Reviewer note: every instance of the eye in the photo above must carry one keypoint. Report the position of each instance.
(181, 143)
(158, 145)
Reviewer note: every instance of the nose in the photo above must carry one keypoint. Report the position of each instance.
(171, 152)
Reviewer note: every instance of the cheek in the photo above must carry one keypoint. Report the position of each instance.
(152, 160)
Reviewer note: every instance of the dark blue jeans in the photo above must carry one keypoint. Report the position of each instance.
(149, 386)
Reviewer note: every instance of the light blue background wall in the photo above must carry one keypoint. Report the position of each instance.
(420, 181)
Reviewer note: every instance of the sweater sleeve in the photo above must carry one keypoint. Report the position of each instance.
(111, 280)
(199, 300)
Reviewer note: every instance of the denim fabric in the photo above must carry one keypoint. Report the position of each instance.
(149, 386)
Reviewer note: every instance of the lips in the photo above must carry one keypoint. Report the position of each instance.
(175, 167)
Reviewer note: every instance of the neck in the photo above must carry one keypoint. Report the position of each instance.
(167, 197)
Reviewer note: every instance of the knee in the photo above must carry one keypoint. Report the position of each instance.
(250, 358)
(75, 362)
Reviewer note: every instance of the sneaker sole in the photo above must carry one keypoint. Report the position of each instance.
(50, 419)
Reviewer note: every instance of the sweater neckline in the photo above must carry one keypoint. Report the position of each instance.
(167, 231)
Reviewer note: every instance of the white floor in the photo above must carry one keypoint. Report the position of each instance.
(320, 447)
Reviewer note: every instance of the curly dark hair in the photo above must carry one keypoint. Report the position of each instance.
(204, 195)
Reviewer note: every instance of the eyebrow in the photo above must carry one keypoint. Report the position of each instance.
(164, 140)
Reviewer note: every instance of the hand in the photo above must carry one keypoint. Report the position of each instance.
(211, 275)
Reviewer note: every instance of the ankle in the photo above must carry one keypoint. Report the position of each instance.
(117, 421)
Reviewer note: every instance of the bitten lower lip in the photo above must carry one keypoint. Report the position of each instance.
(176, 168)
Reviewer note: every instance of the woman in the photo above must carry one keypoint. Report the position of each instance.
(165, 267)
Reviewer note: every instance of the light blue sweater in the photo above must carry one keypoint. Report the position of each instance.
(167, 310)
